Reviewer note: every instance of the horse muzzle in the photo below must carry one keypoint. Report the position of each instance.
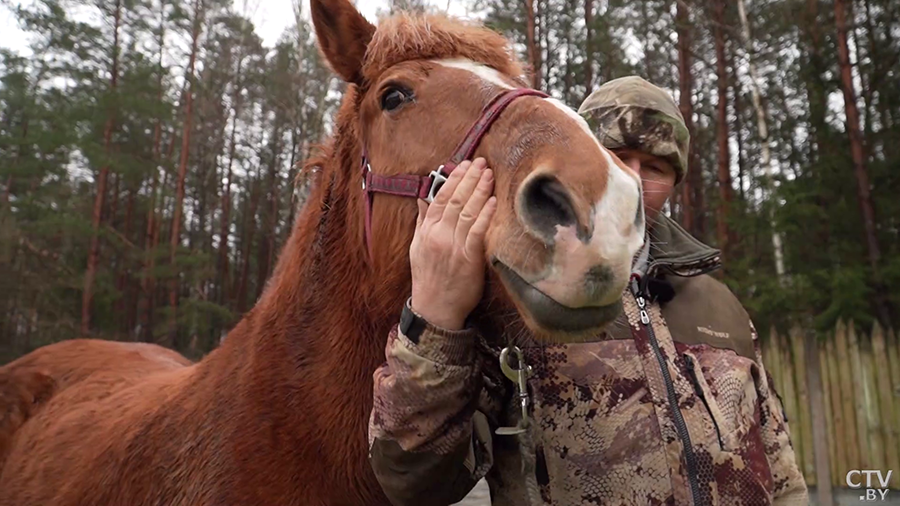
(549, 315)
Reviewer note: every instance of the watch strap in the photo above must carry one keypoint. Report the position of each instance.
(411, 324)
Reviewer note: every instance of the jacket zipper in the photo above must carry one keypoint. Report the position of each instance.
(689, 456)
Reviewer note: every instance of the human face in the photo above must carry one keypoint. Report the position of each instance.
(657, 175)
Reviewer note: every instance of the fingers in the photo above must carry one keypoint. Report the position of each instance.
(463, 191)
(436, 209)
(472, 209)
(461, 212)
(423, 209)
(475, 239)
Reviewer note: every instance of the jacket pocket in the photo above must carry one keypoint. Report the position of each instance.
(726, 384)
(701, 390)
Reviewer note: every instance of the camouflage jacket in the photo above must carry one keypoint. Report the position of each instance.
(672, 407)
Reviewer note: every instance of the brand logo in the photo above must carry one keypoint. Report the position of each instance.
(714, 333)
(873, 482)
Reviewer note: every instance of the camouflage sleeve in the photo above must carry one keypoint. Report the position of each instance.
(427, 443)
(790, 487)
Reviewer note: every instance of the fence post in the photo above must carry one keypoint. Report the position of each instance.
(894, 357)
(841, 431)
(829, 417)
(790, 403)
(859, 379)
(801, 368)
(845, 358)
(882, 375)
(820, 462)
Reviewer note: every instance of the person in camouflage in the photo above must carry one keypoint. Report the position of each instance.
(673, 406)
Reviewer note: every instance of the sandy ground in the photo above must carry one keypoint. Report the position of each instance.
(480, 496)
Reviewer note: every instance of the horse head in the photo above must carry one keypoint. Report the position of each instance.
(569, 217)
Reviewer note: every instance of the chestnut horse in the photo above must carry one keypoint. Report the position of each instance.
(278, 413)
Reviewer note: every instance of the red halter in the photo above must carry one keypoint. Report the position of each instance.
(426, 187)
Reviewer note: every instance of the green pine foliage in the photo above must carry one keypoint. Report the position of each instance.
(258, 111)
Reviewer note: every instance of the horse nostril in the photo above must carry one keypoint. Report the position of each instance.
(546, 204)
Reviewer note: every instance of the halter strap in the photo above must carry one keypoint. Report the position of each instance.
(425, 187)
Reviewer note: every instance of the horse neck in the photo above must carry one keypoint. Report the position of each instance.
(320, 327)
(314, 303)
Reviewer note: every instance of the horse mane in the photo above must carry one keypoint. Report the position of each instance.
(406, 37)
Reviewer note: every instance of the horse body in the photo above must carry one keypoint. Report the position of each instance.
(278, 413)
(143, 426)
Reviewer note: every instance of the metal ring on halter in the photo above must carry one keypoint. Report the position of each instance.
(437, 180)
(368, 170)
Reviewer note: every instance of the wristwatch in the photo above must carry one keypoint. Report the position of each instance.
(411, 324)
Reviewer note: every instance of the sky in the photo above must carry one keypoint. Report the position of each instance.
(270, 17)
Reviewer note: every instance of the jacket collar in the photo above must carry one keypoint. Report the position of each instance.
(674, 251)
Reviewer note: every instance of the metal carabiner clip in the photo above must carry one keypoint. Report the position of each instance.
(520, 378)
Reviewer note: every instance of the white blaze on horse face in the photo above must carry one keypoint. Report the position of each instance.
(483, 71)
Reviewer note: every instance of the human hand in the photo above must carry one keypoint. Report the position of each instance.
(447, 251)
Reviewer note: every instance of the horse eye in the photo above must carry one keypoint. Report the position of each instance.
(393, 98)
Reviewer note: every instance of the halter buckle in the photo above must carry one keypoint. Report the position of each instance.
(437, 180)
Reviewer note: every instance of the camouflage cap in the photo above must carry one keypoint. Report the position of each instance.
(629, 112)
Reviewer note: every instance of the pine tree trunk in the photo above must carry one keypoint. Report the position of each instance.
(813, 82)
(875, 53)
(542, 42)
(857, 151)
(123, 308)
(114, 203)
(763, 130)
(738, 125)
(249, 231)
(692, 186)
(7, 190)
(94, 254)
(649, 50)
(724, 157)
(588, 48)
(145, 296)
(864, 81)
(267, 237)
(182, 172)
(222, 267)
(147, 279)
(534, 58)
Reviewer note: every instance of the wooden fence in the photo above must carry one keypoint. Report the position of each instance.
(860, 382)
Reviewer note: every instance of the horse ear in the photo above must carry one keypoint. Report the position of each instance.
(343, 35)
